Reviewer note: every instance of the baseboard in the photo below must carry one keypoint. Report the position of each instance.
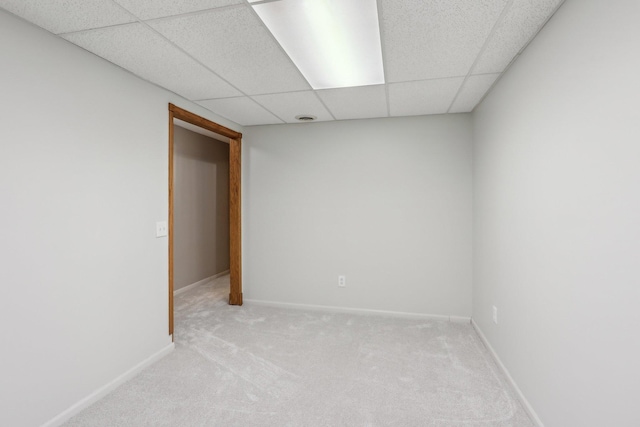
(199, 282)
(332, 309)
(527, 406)
(107, 388)
(460, 319)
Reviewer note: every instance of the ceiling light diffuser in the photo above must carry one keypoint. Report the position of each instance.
(334, 43)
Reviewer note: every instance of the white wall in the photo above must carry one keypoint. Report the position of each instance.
(83, 178)
(557, 216)
(385, 202)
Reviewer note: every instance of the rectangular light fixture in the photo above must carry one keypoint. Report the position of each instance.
(334, 43)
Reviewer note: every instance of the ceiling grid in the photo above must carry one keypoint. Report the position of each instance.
(438, 56)
(507, 6)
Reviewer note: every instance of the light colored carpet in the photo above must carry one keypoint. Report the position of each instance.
(265, 366)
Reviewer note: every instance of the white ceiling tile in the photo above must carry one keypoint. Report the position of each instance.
(242, 110)
(429, 46)
(472, 92)
(427, 39)
(289, 105)
(149, 9)
(234, 43)
(522, 21)
(145, 53)
(63, 16)
(423, 97)
(364, 102)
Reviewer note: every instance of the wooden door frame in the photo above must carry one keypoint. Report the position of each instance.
(235, 167)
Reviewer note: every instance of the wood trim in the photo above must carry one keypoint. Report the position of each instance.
(194, 119)
(235, 219)
(171, 223)
(235, 232)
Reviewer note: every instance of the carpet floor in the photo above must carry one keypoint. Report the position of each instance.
(264, 366)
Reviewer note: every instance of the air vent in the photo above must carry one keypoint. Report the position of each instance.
(306, 118)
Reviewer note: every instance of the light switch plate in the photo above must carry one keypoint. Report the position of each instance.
(161, 229)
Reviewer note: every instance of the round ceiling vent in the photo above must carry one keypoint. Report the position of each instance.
(305, 118)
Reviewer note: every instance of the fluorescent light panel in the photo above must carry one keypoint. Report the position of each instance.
(334, 43)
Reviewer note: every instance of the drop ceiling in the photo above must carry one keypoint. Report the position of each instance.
(440, 56)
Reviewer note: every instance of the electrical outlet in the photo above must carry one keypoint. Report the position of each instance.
(495, 314)
(342, 281)
(161, 229)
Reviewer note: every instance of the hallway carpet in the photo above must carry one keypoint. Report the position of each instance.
(265, 366)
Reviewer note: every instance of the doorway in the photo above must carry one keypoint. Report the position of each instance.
(235, 255)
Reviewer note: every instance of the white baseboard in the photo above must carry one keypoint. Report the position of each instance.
(332, 309)
(199, 282)
(527, 406)
(460, 319)
(107, 388)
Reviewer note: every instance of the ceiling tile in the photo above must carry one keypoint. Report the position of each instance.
(423, 97)
(289, 105)
(234, 43)
(145, 53)
(149, 9)
(522, 22)
(428, 39)
(242, 110)
(364, 102)
(63, 16)
(472, 92)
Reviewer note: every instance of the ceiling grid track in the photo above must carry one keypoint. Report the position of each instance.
(505, 10)
(268, 110)
(149, 27)
(244, 94)
(441, 62)
(315, 92)
(249, 5)
(210, 10)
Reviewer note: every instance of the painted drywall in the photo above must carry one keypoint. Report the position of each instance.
(557, 229)
(201, 207)
(386, 202)
(83, 179)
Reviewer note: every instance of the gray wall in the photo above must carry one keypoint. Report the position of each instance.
(201, 207)
(557, 216)
(83, 179)
(385, 202)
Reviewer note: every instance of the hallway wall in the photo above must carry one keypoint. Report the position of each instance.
(201, 207)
